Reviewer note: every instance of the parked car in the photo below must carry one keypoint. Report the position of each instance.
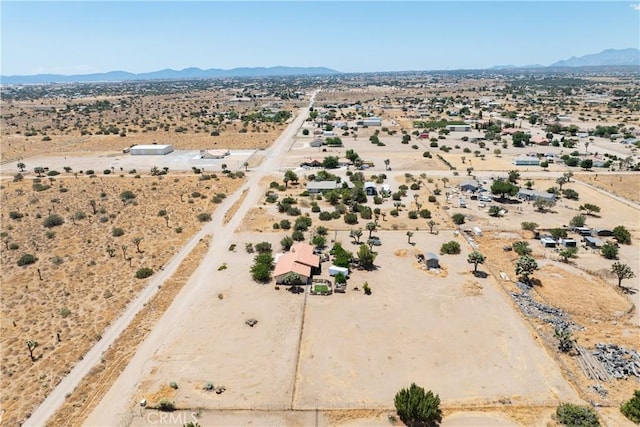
(374, 241)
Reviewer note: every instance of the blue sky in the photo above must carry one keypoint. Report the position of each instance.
(88, 36)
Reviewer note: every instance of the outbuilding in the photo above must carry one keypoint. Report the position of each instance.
(548, 242)
(470, 185)
(526, 161)
(370, 188)
(315, 187)
(431, 260)
(592, 242)
(334, 269)
(151, 150)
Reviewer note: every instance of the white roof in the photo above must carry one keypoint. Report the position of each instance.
(151, 146)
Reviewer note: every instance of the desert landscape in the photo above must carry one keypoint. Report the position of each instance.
(454, 206)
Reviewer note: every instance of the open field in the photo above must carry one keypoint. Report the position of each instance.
(84, 276)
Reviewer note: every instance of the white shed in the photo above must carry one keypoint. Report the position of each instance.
(334, 269)
(151, 149)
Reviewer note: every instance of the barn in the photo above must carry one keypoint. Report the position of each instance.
(151, 150)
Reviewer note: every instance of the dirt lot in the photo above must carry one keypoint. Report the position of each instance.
(82, 287)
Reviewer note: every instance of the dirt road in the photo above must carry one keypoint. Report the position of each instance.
(117, 400)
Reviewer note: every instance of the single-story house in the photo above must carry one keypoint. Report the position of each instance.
(459, 128)
(315, 187)
(526, 161)
(592, 242)
(533, 195)
(431, 260)
(316, 143)
(469, 185)
(311, 164)
(510, 131)
(539, 140)
(582, 134)
(150, 149)
(300, 260)
(370, 188)
(213, 154)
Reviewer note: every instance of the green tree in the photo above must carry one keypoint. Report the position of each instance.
(586, 164)
(476, 258)
(525, 266)
(371, 227)
(558, 233)
(503, 188)
(330, 162)
(366, 257)
(622, 235)
(143, 273)
(291, 279)
(521, 248)
(286, 243)
(514, 176)
(415, 407)
(622, 271)
(352, 155)
(631, 408)
(543, 205)
(544, 164)
(289, 176)
(39, 170)
(609, 250)
(566, 253)
(590, 208)
(578, 221)
(342, 257)
(561, 181)
(21, 166)
(576, 416)
(566, 341)
(431, 223)
(458, 218)
(356, 235)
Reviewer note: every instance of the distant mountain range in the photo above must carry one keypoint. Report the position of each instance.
(608, 57)
(169, 74)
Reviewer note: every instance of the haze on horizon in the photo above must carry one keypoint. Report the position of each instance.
(351, 36)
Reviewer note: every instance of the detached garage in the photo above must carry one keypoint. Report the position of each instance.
(151, 150)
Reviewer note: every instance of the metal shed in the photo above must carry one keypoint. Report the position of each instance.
(151, 150)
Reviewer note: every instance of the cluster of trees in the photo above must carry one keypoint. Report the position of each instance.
(262, 263)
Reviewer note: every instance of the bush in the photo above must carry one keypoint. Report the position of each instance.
(126, 195)
(53, 220)
(622, 235)
(143, 273)
(117, 232)
(26, 259)
(529, 226)
(15, 215)
(413, 215)
(451, 248)
(574, 415)
(609, 251)
(432, 199)
(425, 213)
(324, 216)
(631, 408)
(417, 407)
(204, 217)
(457, 218)
(521, 248)
(351, 218)
(165, 405)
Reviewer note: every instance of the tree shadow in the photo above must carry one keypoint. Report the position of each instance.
(480, 274)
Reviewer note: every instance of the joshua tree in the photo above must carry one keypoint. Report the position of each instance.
(137, 241)
(476, 258)
(39, 170)
(31, 345)
(94, 206)
(386, 163)
(371, 226)
(623, 271)
(525, 266)
(246, 166)
(431, 224)
(561, 181)
(124, 251)
(356, 234)
(409, 236)
(21, 166)
(111, 251)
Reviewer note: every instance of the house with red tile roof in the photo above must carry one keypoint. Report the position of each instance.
(300, 260)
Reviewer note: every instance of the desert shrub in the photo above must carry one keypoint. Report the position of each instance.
(263, 247)
(204, 217)
(65, 312)
(425, 213)
(13, 246)
(417, 407)
(351, 218)
(413, 215)
(521, 248)
(293, 211)
(631, 408)
(432, 199)
(53, 173)
(162, 212)
(297, 235)
(26, 259)
(450, 248)
(143, 273)
(117, 232)
(15, 215)
(529, 226)
(40, 187)
(570, 194)
(622, 235)
(49, 234)
(576, 416)
(165, 405)
(303, 223)
(324, 216)
(53, 220)
(127, 195)
(609, 251)
(285, 224)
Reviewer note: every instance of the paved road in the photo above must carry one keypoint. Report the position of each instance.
(117, 400)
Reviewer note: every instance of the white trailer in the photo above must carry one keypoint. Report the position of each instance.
(334, 269)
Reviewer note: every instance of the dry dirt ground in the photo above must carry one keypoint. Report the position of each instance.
(337, 366)
(82, 287)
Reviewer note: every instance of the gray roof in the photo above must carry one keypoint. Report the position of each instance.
(322, 185)
(430, 255)
(470, 183)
